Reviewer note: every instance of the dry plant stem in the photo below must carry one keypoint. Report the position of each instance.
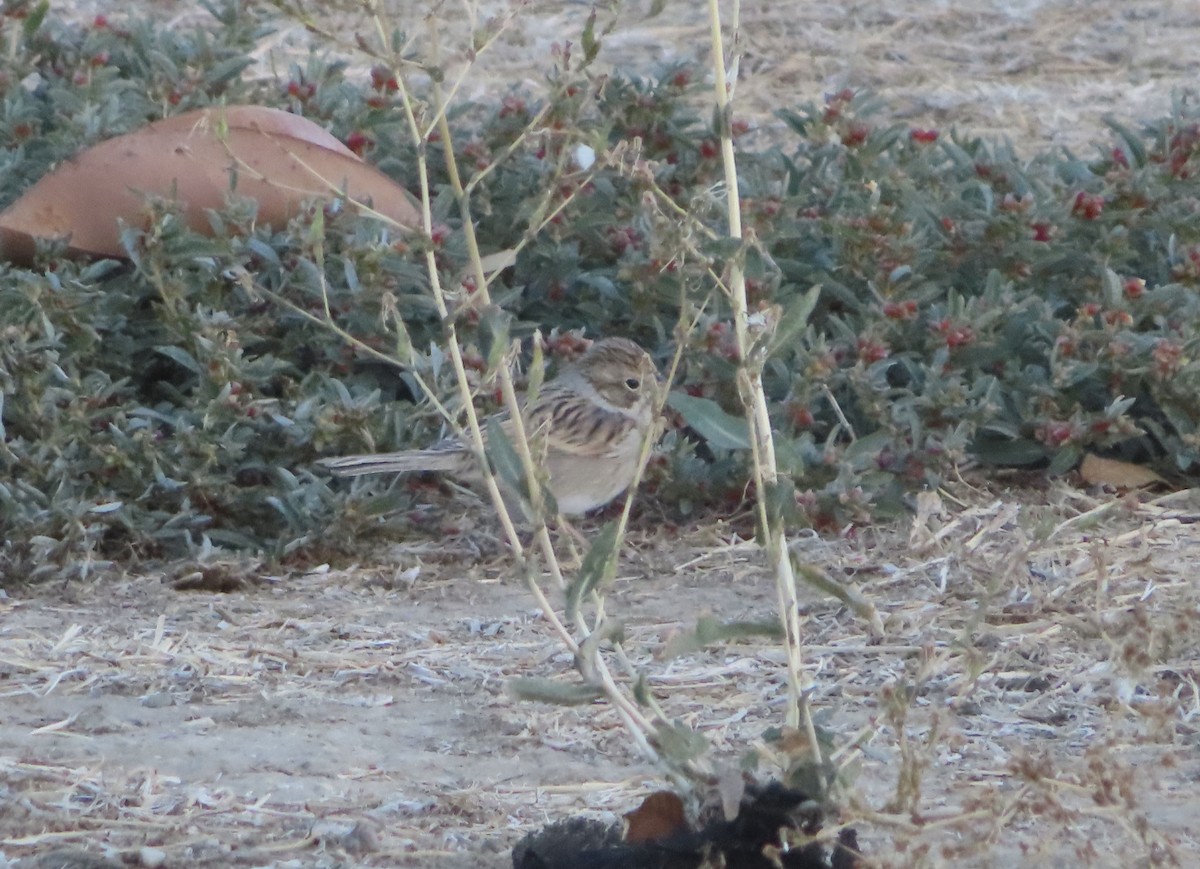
(538, 223)
(473, 429)
(638, 726)
(635, 723)
(837, 410)
(520, 437)
(905, 822)
(516, 143)
(501, 24)
(750, 387)
(847, 594)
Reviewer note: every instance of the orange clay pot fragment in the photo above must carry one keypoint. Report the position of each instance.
(197, 159)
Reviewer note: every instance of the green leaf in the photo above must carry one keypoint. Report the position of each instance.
(797, 121)
(386, 503)
(723, 247)
(588, 40)
(641, 691)
(1065, 459)
(549, 691)
(505, 461)
(35, 18)
(609, 631)
(264, 251)
(679, 742)
(722, 430)
(495, 324)
(99, 270)
(316, 229)
(710, 630)
(182, 357)
(1131, 139)
(794, 321)
(227, 70)
(780, 500)
(1008, 451)
(864, 452)
(1113, 289)
(598, 565)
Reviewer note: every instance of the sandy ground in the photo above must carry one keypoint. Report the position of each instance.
(358, 717)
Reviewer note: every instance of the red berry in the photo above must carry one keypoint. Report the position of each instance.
(1057, 433)
(623, 238)
(1134, 288)
(1167, 356)
(1088, 206)
(871, 351)
(855, 134)
(801, 416)
(954, 335)
(358, 142)
(511, 105)
(923, 137)
(906, 310)
(960, 336)
(383, 80)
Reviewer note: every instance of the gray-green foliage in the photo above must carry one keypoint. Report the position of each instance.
(970, 302)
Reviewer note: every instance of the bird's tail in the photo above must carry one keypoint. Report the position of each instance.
(392, 463)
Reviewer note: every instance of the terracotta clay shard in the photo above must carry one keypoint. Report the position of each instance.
(278, 159)
(1096, 471)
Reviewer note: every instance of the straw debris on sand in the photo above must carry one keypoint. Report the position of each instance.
(1038, 676)
(1041, 645)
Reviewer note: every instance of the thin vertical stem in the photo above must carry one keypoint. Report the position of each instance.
(766, 474)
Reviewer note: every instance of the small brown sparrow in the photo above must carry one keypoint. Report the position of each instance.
(590, 421)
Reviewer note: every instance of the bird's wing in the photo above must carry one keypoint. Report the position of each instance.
(575, 426)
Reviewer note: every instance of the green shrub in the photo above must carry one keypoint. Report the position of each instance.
(972, 304)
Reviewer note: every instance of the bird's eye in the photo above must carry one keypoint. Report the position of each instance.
(632, 382)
